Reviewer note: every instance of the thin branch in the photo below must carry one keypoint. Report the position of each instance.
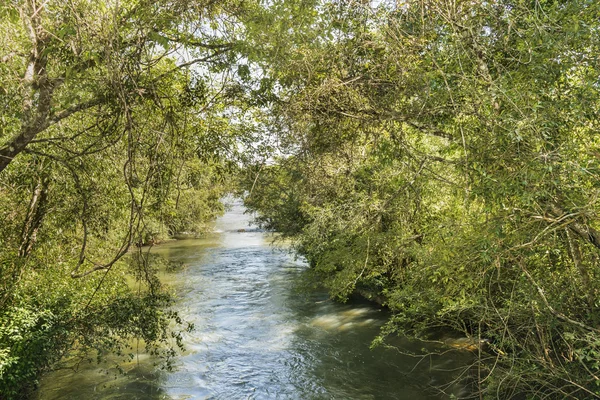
(550, 308)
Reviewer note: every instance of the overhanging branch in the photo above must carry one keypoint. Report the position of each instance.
(30, 131)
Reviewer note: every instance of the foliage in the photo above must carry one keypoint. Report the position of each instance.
(439, 155)
(113, 135)
(442, 156)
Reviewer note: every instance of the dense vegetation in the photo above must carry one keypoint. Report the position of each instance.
(112, 136)
(443, 157)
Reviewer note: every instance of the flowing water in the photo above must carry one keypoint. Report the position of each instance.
(258, 337)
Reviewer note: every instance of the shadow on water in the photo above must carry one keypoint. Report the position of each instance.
(257, 337)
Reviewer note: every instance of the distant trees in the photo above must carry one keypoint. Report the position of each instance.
(442, 154)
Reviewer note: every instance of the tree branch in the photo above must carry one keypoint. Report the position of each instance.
(40, 124)
(583, 230)
(550, 308)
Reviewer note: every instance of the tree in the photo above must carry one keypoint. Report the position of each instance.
(112, 136)
(440, 157)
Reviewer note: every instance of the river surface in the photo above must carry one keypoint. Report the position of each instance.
(258, 336)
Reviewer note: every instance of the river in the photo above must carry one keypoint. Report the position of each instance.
(259, 336)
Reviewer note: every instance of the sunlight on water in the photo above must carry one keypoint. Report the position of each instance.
(347, 319)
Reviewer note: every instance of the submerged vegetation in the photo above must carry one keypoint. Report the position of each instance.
(440, 155)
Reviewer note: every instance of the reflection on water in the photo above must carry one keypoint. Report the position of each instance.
(141, 382)
(258, 338)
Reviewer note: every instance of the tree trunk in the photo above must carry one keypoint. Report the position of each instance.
(35, 214)
(38, 88)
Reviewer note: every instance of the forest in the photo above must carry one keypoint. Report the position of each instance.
(440, 157)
